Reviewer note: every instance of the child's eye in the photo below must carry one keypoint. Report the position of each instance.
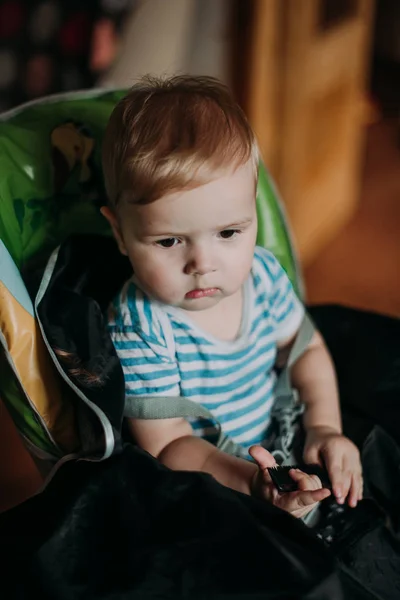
(168, 242)
(228, 234)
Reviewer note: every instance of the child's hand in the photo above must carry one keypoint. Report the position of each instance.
(297, 503)
(342, 460)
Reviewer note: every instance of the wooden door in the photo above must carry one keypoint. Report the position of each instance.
(305, 73)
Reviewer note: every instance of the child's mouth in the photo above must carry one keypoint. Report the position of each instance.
(201, 293)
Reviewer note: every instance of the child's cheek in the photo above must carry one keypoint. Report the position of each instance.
(158, 279)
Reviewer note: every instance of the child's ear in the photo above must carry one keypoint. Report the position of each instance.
(112, 219)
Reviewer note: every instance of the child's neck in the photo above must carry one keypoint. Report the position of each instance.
(223, 320)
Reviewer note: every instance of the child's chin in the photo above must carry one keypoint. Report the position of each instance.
(196, 304)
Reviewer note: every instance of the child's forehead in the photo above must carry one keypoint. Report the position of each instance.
(236, 179)
(205, 208)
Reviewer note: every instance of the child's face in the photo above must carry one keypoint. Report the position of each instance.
(193, 248)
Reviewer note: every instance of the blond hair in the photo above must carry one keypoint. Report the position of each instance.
(169, 134)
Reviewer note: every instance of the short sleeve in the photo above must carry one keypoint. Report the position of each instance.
(285, 308)
(142, 345)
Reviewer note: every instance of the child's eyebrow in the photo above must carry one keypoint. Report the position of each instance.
(236, 224)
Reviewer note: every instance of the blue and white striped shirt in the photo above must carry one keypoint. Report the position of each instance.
(163, 353)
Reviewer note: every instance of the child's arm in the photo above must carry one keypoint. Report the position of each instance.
(313, 376)
(173, 443)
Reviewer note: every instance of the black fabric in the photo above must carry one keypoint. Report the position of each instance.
(365, 348)
(87, 274)
(366, 351)
(381, 465)
(375, 560)
(365, 539)
(130, 528)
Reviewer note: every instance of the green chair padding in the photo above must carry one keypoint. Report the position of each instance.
(51, 186)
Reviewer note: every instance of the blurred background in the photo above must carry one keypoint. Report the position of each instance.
(320, 83)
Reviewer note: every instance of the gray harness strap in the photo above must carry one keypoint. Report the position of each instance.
(287, 408)
(285, 412)
(167, 407)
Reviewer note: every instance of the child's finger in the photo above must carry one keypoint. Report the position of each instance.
(305, 481)
(263, 458)
(335, 471)
(309, 494)
(352, 464)
(346, 483)
(306, 498)
(361, 489)
(355, 493)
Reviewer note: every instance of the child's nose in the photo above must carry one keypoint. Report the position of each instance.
(200, 262)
